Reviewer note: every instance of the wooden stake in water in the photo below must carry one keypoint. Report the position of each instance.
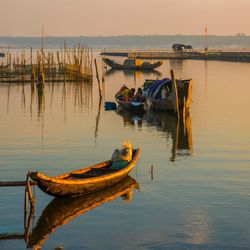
(152, 172)
(98, 80)
(176, 93)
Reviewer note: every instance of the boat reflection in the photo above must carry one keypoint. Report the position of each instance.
(130, 72)
(179, 131)
(131, 118)
(60, 211)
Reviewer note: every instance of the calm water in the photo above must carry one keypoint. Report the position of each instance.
(196, 197)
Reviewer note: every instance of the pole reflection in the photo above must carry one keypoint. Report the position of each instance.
(178, 130)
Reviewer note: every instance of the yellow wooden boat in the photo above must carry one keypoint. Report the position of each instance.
(84, 181)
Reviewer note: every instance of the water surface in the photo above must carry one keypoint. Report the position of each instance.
(196, 195)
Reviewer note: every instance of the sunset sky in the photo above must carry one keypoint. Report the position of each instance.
(121, 17)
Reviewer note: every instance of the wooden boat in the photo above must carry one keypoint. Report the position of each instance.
(133, 106)
(132, 63)
(85, 180)
(161, 95)
(61, 211)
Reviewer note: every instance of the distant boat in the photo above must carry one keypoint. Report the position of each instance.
(84, 181)
(132, 63)
(161, 95)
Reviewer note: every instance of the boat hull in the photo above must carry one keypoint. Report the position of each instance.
(61, 187)
(131, 106)
(149, 66)
(168, 104)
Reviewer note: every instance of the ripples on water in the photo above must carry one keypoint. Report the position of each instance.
(196, 195)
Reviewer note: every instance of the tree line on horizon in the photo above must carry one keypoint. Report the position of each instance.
(128, 41)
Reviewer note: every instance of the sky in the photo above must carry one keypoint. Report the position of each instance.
(123, 17)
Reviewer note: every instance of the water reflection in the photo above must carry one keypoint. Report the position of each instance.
(60, 211)
(40, 102)
(79, 92)
(131, 119)
(136, 75)
(132, 73)
(198, 227)
(98, 118)
(179, 131)
(177, 65)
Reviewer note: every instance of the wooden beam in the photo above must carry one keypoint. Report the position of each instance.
(16, 236)
(15, 183)
(176, 93)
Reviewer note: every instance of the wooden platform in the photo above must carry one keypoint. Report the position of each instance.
(234, 56)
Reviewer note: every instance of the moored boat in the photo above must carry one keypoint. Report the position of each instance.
(132, 63)
(134, 106)
(85, 180)
(161, 94)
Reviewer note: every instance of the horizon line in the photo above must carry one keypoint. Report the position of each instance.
(127, 35)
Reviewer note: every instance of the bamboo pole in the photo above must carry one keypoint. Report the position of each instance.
(26, 206)
(64, 53)
(73, 65)
(59, 66)
(98, 80)
(31, 198)
(22, 65)
(52, 66)
(152, 172)
(15, 236)
(81, 61)
(31, 56)
(176, 106)
(10, 65)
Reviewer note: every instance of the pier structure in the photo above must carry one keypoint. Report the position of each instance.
(65, 65)
(212, 54)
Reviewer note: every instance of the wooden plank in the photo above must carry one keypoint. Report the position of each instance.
(15, 183)
(17, 236)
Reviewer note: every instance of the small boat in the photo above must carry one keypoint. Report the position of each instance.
(84, 181)
(134, 106)
(161, 95)
(61, 211)
(132, 63)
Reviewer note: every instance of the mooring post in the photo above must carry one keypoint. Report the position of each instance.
(152, 172)
(10, 65)
(98, 80)
(31, 198)
(176, 93)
